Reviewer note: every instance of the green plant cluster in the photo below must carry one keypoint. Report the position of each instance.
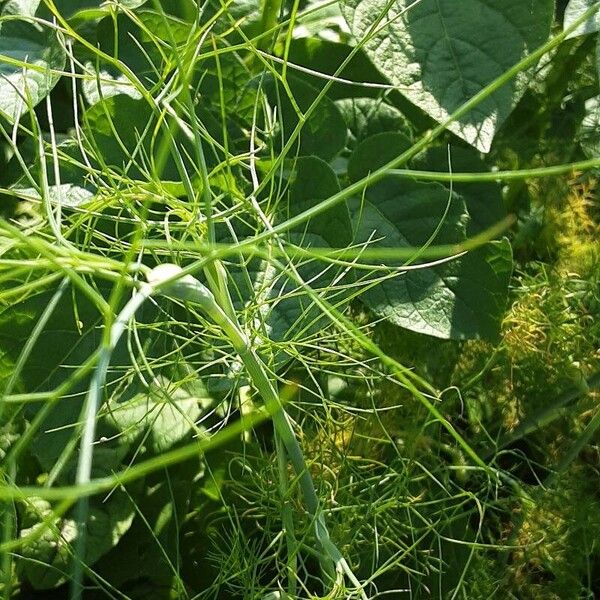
(299, 299)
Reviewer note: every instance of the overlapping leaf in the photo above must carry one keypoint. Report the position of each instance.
(31, 59)
(48, 557)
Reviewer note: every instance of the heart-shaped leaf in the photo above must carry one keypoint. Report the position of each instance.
(460, 299)
(440, 53)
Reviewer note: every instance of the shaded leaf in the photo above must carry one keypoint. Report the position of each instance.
(166, 411)
(483, 199)
(153, 541)
(365, 117)
(116, 125)
(24, 8)
(460, 299)
(104, 84)
(374, 152)
(122, 131)
(47, 561)
(123, 39)
(323, 133)
(67, 194)
(324, 57)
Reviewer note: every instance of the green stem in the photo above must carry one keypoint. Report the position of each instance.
(268, 21)
(493, 176)
(287, 518)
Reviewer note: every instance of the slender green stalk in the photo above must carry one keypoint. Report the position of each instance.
(346, 256)
(268, 21)
(93, 400)
(287, 518)
(493, 176)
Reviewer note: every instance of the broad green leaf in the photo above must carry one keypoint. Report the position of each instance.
(166, 411)
(25, 8)
(440, 53)
(63, 343)
(365, 117)
(71, 335)
(245, 13)
(460, 299)
(225, 78)
(163, 26)
(47, 561)
(29, 61)
(312, 180)
(405, 212)
(324, 20)
(67, 194)
(575, 10)
(187, 10)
